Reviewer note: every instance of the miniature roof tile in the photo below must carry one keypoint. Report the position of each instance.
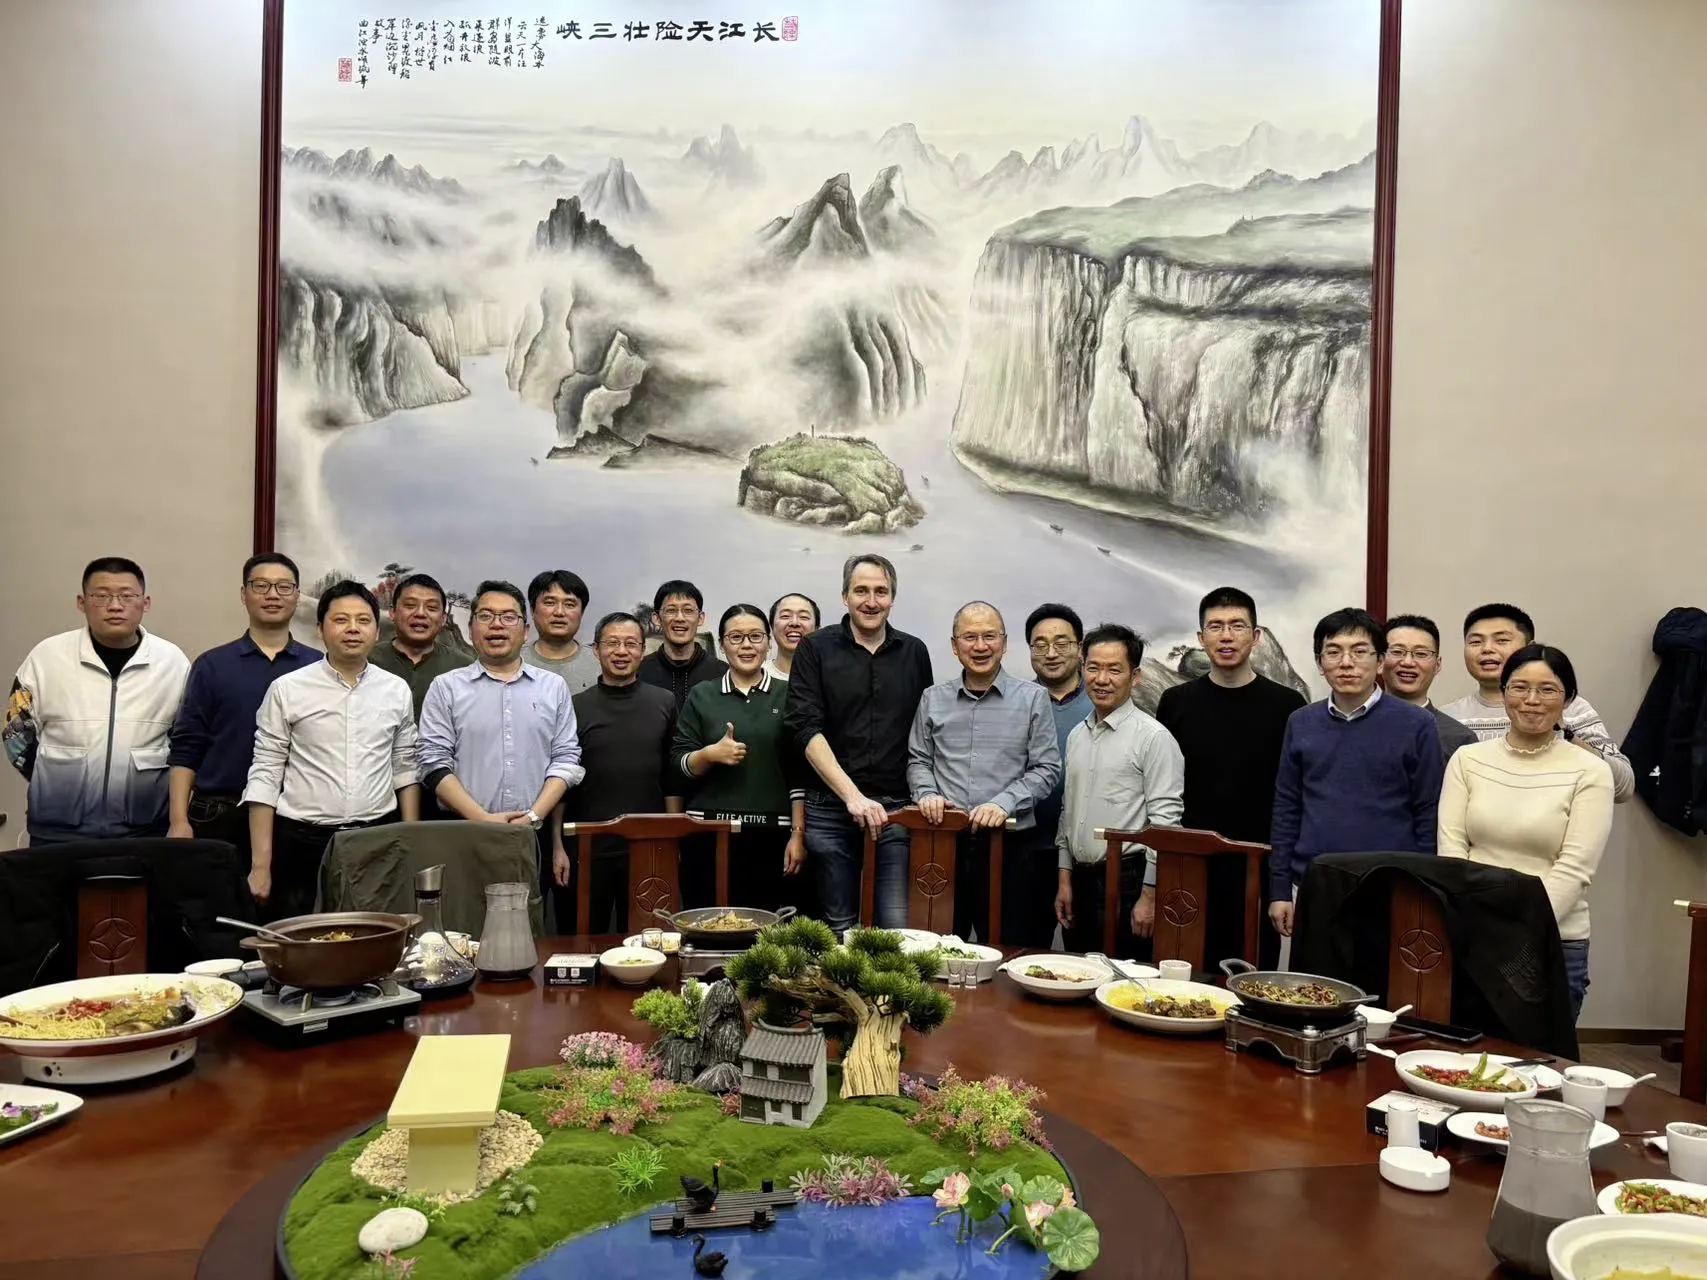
(785, 1048)
(776, 1090)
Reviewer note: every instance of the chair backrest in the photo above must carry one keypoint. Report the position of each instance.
(930, 873)
(1419, 952)
(112, 925)
(1182, 889)
(654, 860)
(373, 869)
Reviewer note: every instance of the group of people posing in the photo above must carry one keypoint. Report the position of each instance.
(811, 736)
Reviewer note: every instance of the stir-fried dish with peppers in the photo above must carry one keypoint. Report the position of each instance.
(1313, 994)
(1648, 1197)
(1480, 1078)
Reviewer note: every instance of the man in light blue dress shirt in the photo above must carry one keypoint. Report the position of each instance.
(497, 738)
(983, 742)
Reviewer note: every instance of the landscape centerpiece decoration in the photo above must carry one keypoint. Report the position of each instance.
(1071, 304)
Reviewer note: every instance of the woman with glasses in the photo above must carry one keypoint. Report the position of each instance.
(738, 762)
(793, 618)
(1534, 801)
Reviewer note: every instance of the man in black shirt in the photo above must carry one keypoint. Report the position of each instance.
(851, 699)
(1230, 725)
(627, 728)
(681, 661)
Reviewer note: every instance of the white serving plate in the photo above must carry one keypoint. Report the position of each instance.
(212, 999)
(30, 1095)
(1469, 1099)
(631, 975)
(1462, 1124)
(1592, 1248)
(1607, 1200)
(1167, 987)
(1095, 974)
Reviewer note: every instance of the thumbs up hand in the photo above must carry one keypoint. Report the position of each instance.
(727, 749)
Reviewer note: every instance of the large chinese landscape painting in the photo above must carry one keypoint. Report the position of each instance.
(1042, 301)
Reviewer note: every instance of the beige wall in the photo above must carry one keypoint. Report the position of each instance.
(1545, 444)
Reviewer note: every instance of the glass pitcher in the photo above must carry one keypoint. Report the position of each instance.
(506, 941)
(1546, 1181)
(434, 964)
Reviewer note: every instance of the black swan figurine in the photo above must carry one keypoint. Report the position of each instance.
(701, 1196)
(707, 1264)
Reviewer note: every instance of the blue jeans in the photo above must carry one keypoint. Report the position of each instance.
(837, 845)
(1576, 974)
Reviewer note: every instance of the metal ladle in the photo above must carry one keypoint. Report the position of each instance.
(257, 928)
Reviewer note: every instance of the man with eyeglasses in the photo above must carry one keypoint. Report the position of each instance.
(1359, 772)
(627, 730)
(681, 661)
(982, 742)
(1409, 668)
(558, 599)
(498, 741)
(334, 751)
(213, 738)
(416, 650)
(1053, 633)
(1229, 724)
(90, 712)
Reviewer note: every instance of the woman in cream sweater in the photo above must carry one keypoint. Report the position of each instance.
(1532, 801)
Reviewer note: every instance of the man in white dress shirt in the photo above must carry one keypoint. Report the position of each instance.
(334, 749)
(1124, 773)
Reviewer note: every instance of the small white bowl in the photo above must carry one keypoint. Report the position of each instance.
(1592, 1248)
(1415, 1169)
(1618, 1085)
(1378, 1023)
(632, 966)
(213, 968)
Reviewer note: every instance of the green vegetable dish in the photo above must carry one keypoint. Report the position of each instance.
(15, 1115)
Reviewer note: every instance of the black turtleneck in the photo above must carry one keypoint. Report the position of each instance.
(663, 671)
(626, 733)
(115, 659)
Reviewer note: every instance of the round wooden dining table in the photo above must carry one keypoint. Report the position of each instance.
(1264, 1169)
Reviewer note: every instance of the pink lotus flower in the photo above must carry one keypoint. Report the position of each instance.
(1067, 1201)
(1036, 1212)
(952, 1193)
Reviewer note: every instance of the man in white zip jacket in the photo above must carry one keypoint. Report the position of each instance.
(89, 712)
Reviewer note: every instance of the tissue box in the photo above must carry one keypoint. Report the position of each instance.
(1431, 1117)
(571, 970)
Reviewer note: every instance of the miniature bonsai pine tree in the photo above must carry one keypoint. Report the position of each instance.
(870, 987)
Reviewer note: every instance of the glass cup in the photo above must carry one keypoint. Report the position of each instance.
(956, 971)
(653, 938)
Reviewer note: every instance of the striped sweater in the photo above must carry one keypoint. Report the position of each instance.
(1581, 719)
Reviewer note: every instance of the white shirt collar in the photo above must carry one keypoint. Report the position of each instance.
(1359, 712)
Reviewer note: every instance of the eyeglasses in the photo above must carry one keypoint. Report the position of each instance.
(113, 597)
(1358, 653)
(1399, 653)
(678, 611)
(509, 619)
(982, 637)
(261, 587)
(621, 644)
(751, 638)
(1061, 644)
(1235, 628)
(1545, 692)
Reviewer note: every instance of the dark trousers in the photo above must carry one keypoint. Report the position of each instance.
(298, 848)
(756, 856)
(609, 889)
(1086, 933)
(1028, 889)
(1224, 926)
(218, 815)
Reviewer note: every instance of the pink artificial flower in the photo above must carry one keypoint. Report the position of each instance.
(952, 1193)
(1035, 1213)
(1067, 1201)
(1008, 1190)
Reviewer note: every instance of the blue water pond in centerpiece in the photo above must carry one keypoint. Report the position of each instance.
(893, 1241)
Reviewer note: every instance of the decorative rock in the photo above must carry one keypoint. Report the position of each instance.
(390, 1230)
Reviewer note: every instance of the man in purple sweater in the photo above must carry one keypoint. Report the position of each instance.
(1359, 772)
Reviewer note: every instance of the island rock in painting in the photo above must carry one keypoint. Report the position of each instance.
(841, 481)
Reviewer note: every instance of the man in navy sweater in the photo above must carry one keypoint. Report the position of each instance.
(1359, 772)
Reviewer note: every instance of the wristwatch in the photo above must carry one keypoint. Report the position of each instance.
(534, 820)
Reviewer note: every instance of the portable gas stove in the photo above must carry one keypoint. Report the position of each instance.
(290, 1016)
(695, 962)
(1306, 1047)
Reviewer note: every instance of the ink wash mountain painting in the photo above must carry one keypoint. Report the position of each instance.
(1040, 301)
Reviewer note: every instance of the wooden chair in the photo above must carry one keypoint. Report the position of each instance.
(1419, 953)
(1182, 889)
(112, 925)
(1694, 1081)
(654, 859)
(930, 872)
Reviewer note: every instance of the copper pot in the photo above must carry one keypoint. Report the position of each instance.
(371, 952)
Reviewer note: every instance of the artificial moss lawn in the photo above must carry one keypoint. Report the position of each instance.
(578, 1191)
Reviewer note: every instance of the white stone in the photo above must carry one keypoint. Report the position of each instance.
(390, 1230)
